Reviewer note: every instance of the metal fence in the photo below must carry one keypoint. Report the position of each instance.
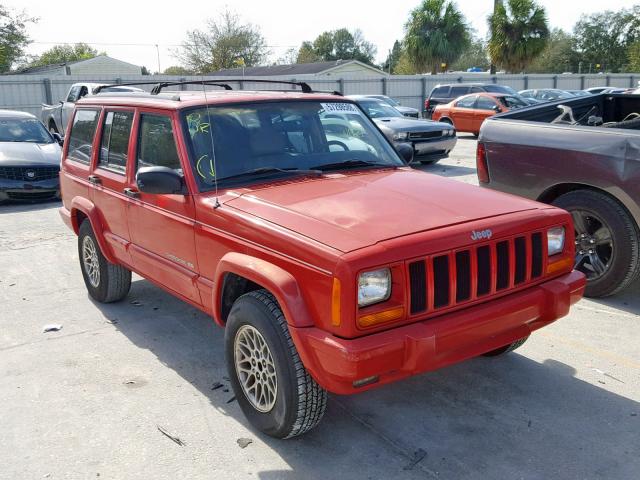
(28, 92)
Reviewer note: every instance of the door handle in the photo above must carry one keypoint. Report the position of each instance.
(95, 179)
(131, 193)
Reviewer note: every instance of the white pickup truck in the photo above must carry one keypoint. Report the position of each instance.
(56, 117)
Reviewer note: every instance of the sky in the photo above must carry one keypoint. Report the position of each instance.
(129, 30)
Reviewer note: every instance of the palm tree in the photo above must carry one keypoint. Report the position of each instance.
(519, 33)
(436, 33)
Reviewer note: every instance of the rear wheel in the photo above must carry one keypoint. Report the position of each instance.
(105, 281)
(53, 128)
(273, 389)
(607, 245)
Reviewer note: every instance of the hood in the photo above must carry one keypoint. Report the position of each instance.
(404, 124)
(354, 210)
(402, 108)
(26, 153)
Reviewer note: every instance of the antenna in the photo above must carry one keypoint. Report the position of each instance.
(213, 152)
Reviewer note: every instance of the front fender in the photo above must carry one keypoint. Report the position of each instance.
(81, 204)
(273, 278)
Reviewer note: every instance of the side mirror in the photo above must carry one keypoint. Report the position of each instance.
(160, 180)
(497, 109)
(406, 152)
(58, 138)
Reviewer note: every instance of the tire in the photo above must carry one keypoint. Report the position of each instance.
(507, 348)
(617, 263)
(105, 281)
(298, 403)
(53, 128)
(447, 120)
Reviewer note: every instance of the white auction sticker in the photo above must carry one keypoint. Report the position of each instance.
(340, 107)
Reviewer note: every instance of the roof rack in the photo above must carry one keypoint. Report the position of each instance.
(158, 86)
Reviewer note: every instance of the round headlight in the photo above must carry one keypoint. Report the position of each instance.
(374, 287)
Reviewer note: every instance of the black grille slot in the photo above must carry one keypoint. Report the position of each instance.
(29, 174)
(418, 283)
(440, 281)
(502, 252)
(521, 260)
(425, 135)
(463, 276)
(536, 255)
(484, 270)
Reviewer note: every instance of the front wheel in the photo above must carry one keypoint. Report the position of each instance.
(105, 281)
(607, 245)
(273, 389)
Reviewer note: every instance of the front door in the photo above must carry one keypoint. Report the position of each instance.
(462, 114)
(485, 107)
(110, 179)
(162, 226)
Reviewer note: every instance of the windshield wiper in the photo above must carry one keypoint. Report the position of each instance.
(351, 164)
(269, 170)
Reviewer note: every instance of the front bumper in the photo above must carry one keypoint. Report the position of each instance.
(336, 363)
(436, 148)
(27, 191)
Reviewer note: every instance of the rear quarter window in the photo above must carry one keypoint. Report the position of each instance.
(82, 133)
(442, 92)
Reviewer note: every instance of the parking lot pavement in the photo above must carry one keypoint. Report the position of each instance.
(87, 401)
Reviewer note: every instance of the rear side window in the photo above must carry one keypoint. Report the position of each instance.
(115, 141)
(440, 92)
(467, 102)
(81, 138)
(485, 103)
(458, 91)
(156, 145)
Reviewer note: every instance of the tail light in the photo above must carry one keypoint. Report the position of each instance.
(481, 163)
(427, 103)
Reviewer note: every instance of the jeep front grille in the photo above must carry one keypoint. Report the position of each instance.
(473, 273)
(29, 174)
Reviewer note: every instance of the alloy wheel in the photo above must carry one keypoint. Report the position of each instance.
(594, 244)
(90, 261)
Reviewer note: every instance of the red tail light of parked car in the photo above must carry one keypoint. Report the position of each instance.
(481, 163)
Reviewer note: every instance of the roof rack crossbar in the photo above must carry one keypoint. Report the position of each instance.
(158, 86)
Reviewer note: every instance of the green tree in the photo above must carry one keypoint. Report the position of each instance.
(226, 43)
(634, 57)
(604, 38)
(475, 55)
(518, 34)
(13, 37)
(66, 53)
(338, 44)
(436, 33)
(404, 66)
(177, 70)
(559, 55)
(307, 54)
(393, 58)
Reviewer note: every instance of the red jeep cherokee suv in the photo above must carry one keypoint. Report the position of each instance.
(331, 265)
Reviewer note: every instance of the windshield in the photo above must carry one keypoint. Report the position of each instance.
(387, 100)
(377, 109)
(23, 130)
(281, 138)
(500, 89)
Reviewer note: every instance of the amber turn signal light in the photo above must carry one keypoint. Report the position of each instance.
(559, 265)
(335, 303)
(381, 317)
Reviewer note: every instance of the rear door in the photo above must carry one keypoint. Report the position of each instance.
(162, 226)
(462, 113)
(485, 107)
(110, 178)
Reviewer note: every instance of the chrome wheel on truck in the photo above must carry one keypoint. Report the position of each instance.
(607, 241)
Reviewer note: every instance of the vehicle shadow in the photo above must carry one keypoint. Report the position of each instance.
(506, 417)
(627, 300)
(7, 208)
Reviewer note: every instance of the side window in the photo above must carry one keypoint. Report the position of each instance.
(458, 91)
(442, 92)
(467, 102)
(156, 145)
(115, 141)
(476, 90)
(73, 94)
(485, 103)
(82, 132)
